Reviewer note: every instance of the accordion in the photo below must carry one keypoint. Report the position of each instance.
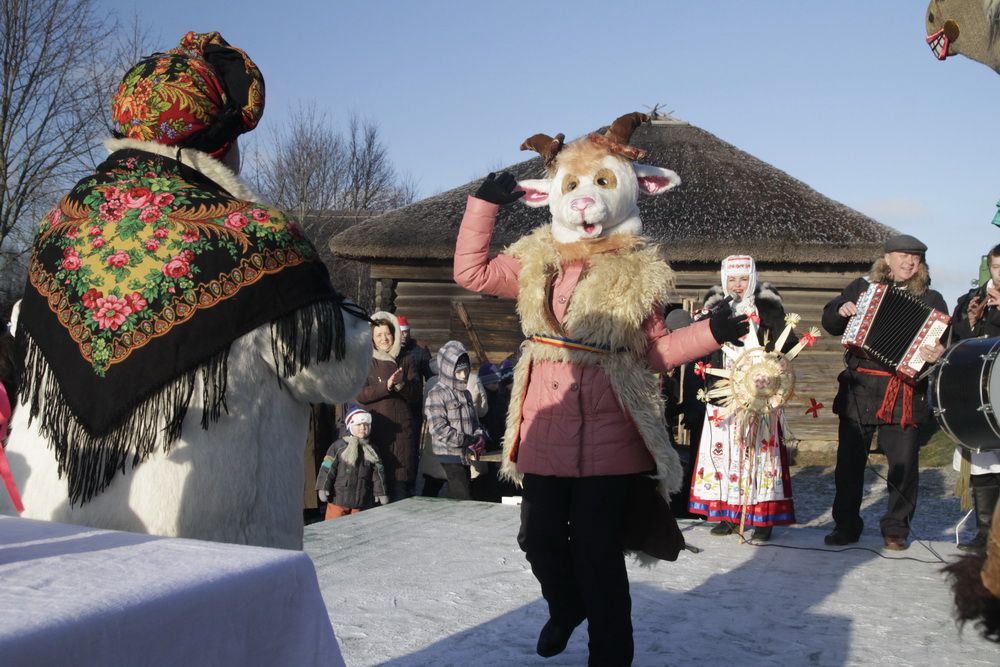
(890, 327)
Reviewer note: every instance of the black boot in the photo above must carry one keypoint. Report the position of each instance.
(552, 639)
(723, 528)
(761, 533)
(985, 499)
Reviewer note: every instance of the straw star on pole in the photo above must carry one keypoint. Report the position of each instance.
(756, 381)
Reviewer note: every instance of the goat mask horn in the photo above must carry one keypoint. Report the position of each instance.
(616, 138)
(621, 130)
(545, 146)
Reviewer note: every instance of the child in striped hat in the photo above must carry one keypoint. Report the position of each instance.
(351, 477)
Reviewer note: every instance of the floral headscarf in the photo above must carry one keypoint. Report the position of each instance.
(202, 94)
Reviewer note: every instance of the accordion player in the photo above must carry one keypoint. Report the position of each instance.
(873, 398)
(892, 325)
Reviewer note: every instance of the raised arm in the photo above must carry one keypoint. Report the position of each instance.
(474, 268)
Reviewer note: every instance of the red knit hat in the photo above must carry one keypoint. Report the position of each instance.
(403, 324)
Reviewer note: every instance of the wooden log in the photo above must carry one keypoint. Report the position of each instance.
(470, 330)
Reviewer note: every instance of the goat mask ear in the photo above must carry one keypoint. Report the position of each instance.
(536, 191)
(655, 180)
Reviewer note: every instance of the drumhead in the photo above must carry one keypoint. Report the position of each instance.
(965, 394)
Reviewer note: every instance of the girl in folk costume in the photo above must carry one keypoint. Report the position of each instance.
(585, 426)
(741, 475)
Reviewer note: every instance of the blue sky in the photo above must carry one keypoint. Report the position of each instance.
(844, 96)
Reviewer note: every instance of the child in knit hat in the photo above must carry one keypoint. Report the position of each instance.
(351, 477)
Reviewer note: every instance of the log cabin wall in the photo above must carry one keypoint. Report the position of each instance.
(425, 294)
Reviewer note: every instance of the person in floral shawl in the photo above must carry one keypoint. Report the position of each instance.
(161, 293)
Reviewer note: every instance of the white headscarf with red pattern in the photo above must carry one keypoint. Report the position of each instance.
(740, 265)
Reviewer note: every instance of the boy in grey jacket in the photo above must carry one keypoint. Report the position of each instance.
(351, 477)
(456, 436)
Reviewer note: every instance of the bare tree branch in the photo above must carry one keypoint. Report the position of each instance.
(302, 166)
(307, 166)
(60, 61)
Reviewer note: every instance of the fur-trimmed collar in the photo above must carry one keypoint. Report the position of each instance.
(201, 162)
(917, 285)
(587, 248)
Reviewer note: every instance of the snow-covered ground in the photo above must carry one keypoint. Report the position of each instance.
(436, 582)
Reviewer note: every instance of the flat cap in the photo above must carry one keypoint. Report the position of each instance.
(904, 243)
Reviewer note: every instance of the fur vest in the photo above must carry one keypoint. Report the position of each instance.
(622, 283)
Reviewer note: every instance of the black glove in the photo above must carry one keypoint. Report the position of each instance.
(726, 327)
(499, 189)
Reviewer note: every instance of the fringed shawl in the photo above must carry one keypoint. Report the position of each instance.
(139, 281)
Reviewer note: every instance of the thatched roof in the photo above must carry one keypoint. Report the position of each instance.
(321, 225)
(728, 202)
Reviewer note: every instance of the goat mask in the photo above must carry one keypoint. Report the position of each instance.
(594, 185)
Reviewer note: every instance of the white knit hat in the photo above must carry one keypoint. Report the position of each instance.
(357, 415)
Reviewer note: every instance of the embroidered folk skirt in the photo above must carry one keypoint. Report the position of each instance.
(742, 474)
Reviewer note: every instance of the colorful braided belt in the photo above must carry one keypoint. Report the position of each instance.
(571, 344)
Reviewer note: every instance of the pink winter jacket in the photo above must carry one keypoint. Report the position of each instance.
(572, 424)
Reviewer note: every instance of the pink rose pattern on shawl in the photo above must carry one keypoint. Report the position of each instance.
(132, 253)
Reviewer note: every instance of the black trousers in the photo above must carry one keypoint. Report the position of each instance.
(400, 490)
(902, 449)
(459, 481)
(432, 486)
(985, 479)
(571, 533)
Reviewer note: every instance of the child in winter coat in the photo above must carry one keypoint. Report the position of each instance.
(457, 439)
(351, 477)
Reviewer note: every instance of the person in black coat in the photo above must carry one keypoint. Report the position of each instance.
(873, 399)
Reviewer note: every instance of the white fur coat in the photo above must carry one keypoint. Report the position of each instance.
(238, 481)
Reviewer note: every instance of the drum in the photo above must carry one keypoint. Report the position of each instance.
(965, 394)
